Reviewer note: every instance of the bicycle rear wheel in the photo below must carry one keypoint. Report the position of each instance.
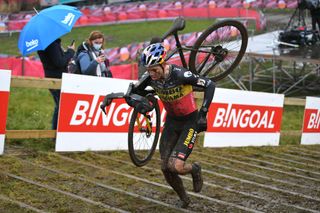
(143, 135)
(219, 49)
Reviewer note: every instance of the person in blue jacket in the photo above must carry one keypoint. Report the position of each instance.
(91, 56)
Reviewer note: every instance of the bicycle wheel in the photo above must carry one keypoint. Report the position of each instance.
(143, 135)
(219, 49)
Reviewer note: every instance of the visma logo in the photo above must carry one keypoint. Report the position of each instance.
(32, 44)
(68, 19)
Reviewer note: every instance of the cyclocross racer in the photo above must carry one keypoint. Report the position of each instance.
(174, 86)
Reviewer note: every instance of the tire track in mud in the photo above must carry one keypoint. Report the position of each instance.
(26, 180)
(299, 187)
(306, 150)
(237, 162)
(285, 195)
(292, 161)
(270, 179)
(221, 187)
(316, 175)
(87, 179)
(280, 161)
(263, 167)
(78, 185)
(314, 196)
(20, 204)
(301, 156)
(217, 201)
(254, 179)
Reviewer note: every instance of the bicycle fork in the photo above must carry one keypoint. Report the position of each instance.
(148, 129)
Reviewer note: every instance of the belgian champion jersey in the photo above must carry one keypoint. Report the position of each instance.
(176, 90)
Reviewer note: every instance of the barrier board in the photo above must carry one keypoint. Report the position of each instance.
(5, 78)
(311, 122)
(82, 125)
(242, 118)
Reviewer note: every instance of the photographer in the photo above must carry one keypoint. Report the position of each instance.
(91, 56)
(314, 7)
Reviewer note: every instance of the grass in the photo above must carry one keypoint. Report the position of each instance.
(116, 35)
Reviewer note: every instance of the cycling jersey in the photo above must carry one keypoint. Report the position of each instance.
(176, 92)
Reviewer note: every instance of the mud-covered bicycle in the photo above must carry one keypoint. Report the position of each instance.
(215, 54)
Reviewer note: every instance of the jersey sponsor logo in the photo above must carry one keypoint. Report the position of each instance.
(311, 120)
(4, 98)
(187, 74)
(82, 113)
(191, 137)
(244, 118)
(174, 93)
(183, 106)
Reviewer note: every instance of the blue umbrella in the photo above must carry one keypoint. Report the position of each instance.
(46, 26)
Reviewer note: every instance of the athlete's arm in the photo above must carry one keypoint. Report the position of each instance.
(209, 88)
(188, 77)
(139, 87)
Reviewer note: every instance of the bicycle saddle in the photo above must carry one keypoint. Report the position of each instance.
(178, 24)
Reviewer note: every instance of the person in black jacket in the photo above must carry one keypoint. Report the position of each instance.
(315, 17)
(54, 61)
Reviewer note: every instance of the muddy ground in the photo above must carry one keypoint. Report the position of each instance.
(252, 179)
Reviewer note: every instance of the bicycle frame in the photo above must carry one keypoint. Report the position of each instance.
(179, 25)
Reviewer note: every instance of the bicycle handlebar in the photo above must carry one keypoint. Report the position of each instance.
(134, 100)
(109, 98)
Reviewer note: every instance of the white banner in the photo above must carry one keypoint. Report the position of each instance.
(5, 78)
(82, 125)
(311, 122)
(242, 118)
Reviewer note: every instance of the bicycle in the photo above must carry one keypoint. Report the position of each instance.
(146, 113)
(206, 59)
(209, 51)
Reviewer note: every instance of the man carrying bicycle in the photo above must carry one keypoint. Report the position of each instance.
(173, 85)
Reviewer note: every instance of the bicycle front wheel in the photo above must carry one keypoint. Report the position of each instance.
(143, 135)
(219, 49)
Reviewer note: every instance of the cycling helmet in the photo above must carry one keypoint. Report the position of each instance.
(153, 54)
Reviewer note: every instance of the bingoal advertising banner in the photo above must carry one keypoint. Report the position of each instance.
(242, 118)
(5, 78)
(311, 122)
(82, 125)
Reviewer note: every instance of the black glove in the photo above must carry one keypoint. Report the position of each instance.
(202, 120)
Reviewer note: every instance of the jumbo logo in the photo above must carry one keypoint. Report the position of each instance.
(311, 120)
(82, 113)
(244, 118)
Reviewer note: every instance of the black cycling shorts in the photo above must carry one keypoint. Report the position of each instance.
(178, 137)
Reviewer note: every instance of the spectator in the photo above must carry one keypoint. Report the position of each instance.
(315, 17)
(54, 61)
(314, 7)
(91, 56)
